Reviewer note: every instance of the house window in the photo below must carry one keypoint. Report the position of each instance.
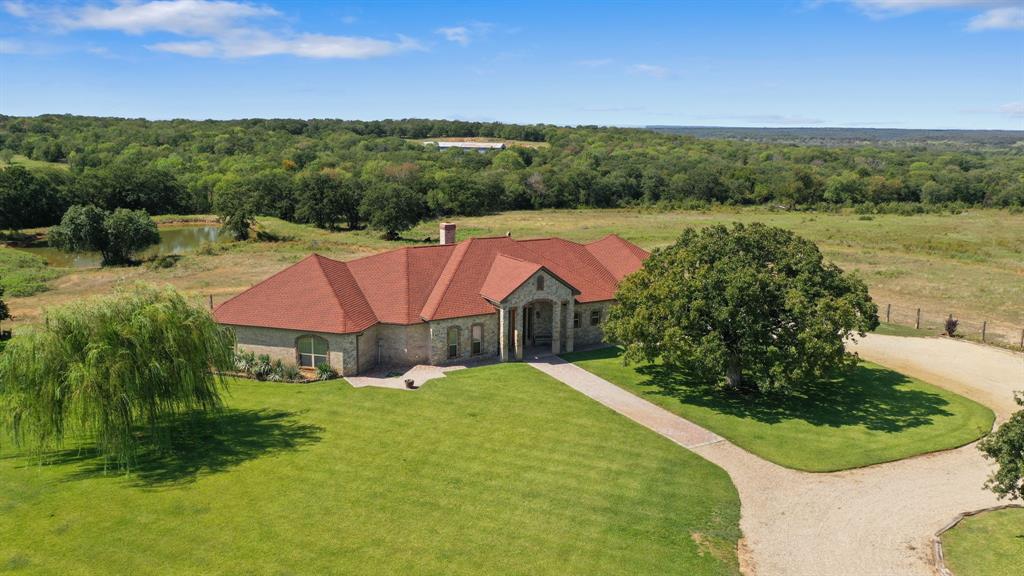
(595, 317)
(312, 351)
(476, 333)
(576, 320)
(540, 282)
(453, 341)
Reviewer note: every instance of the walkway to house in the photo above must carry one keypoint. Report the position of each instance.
(874, 521)
(391, 377)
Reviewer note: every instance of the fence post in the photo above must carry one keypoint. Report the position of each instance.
(888, 313)
(917, 324)
(211, 301)
(1022, 339)
(984, 325)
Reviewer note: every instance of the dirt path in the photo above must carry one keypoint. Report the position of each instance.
(874, 521)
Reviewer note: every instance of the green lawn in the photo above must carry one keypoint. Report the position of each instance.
(901, 330)
(989, 544)
(494, 470)
(872, 415)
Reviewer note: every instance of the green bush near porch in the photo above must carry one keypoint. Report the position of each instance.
(492, 470)
(865, 417)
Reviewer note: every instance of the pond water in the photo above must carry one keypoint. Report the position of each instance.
(173, 240)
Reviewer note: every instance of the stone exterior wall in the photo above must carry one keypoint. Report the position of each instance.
(279, 344)
(400, 345)
(439, 338)
(587, 334)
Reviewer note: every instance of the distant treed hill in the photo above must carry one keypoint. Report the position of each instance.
(338, 172)
(851, 136)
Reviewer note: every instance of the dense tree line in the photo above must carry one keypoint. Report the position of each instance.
(347, 173)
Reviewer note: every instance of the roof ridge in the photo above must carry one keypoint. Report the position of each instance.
(456, 256)
(323, 274)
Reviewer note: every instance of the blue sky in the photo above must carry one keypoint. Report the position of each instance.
(883, 63)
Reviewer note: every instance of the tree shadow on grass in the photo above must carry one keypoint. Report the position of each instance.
(202, 443)
(859, 396)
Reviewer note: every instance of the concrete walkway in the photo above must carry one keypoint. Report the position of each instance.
(875, 521)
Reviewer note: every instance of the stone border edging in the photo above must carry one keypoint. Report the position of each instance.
(940, 558)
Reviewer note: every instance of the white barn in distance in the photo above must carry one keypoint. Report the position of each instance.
(467, 145)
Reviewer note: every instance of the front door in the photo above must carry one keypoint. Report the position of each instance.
(528, 323)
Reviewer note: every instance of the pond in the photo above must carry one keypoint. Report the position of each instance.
(173, 240)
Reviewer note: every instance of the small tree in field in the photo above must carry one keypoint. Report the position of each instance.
(115, 235)
(391, 208)
(754, 304)
(108, 368)
(1006, 447)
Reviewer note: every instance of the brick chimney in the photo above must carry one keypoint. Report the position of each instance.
(447, 233)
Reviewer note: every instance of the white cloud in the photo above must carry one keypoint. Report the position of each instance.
(464, 34)
(212, 28)
(457, 34)
(250, 43)
(1009, 18)
(652, 70)
(1013, 109)
(996, 14)
(12, 46)
(18, 9)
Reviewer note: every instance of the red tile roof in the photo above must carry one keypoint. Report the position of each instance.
(506, 274)
(410, 285)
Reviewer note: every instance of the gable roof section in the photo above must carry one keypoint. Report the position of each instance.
(413, 284)
(506, 274)
(317, 295)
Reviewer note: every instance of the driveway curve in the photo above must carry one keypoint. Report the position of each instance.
(874, 521)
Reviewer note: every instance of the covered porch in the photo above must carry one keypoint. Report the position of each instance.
(539, 325)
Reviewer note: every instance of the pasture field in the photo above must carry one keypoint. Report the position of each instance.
(868, 416)
(970, 264)
(491, 470)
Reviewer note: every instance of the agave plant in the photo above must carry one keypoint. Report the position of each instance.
(325, 372)
(262, 369)
(291, 373)
(245, 361)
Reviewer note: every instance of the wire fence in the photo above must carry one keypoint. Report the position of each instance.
(988, 331)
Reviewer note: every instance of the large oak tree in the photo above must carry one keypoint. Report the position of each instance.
(754, 305)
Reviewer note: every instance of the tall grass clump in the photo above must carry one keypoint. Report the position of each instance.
(113, 371)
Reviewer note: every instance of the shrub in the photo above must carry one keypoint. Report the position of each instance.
(325, 372)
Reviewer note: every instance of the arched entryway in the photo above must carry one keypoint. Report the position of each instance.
(538, 324)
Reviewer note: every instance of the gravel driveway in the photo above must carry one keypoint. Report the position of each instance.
(874, 521)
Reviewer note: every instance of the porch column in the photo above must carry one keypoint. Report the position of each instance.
(556, 327)
(503, 333)
(519, 333)
(570, 334)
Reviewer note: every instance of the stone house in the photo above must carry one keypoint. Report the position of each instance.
(437, 304)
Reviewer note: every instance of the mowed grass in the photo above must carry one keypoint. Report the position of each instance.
(989, 544)
(868, 416)
(492, 470)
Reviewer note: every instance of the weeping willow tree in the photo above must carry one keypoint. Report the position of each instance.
(113, 371)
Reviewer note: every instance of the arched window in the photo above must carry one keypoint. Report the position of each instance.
(312, 351)
(453, 341)
(540, 282)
